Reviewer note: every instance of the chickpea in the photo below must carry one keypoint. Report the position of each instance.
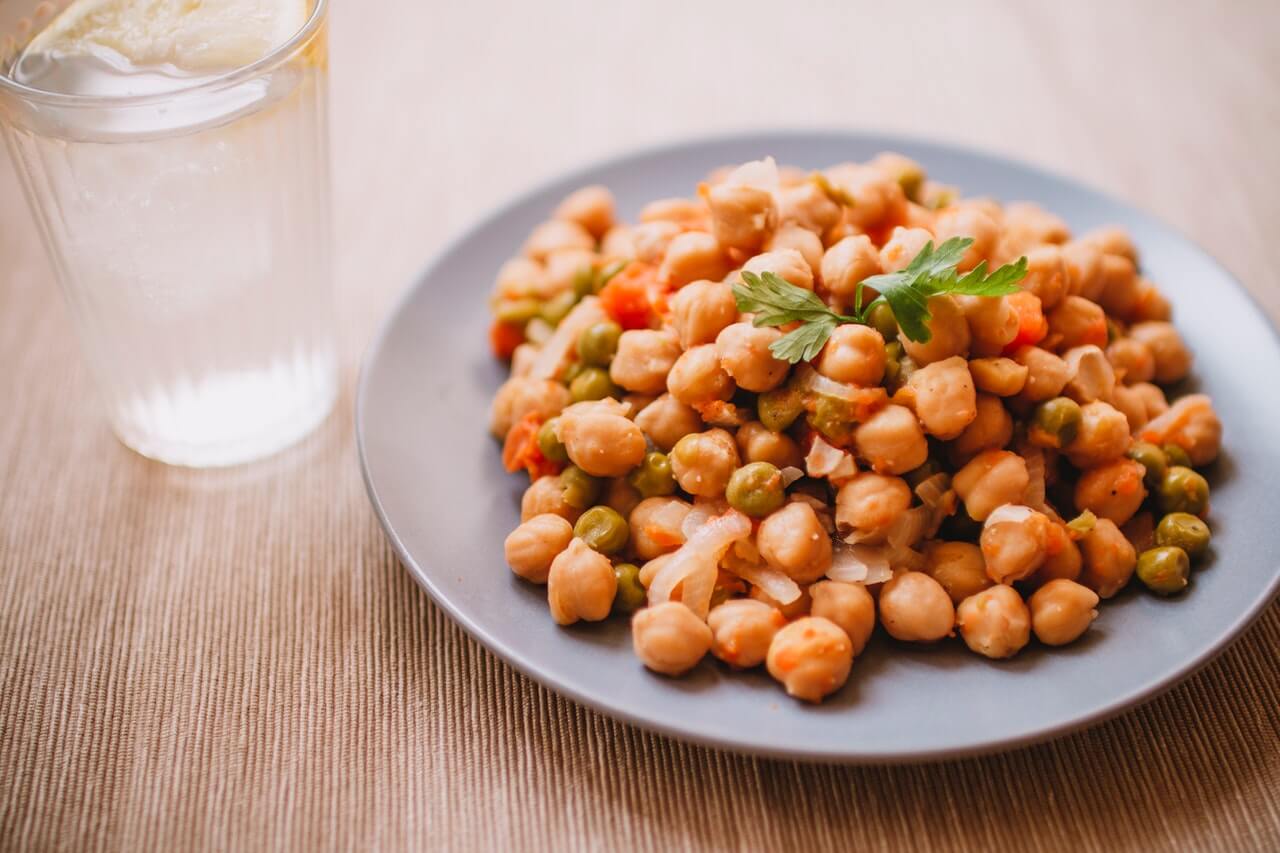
(546, 495)
(1152, 398)
(914, 607)
(1130, 404)
(849, 606)
(950, 332)
(811, 658)
(993, 324)
(808, 207)
(580, 584)
(853, 354)
(1014, 548)
(687, 212)
(1061, 611)
(1109, 559)
(1121, 287)
(744, 355)
(795, 238)
(699, 311)
(697, 377)
(703, 463)
(601, 443)
(742, 630)
(561, 269)
(1172, 358)
(758, 443)
(994, 623)
(591, 207)
(1092, 377)
(1028, 225)
(793, 610)
(945, 400)
(1064, 564)
(991, 429)
(557, 234)
(1077, 321)
(742, 217)
(877, 197)
(1083, 264)
(902, 247)
(691, 256)
(520, 396)
(1112, 240)
(655, 525)
(666, 420)
(891, 441)
(532, 546)
(958, 566)
(619, 243)
(793, 541)
(991, 479)
(1131, 360)
(1047, 374)
(643, 360)
(870, 503)
(669, 639)
(621, 496)
(1152, 304)
(847, 263)
(1003, 377)
(1113, 490)
(1191, 424)
(1046, 275)
(518, 278)
(1103, 436)
(787, 264)
(968, 221)
(652, 239)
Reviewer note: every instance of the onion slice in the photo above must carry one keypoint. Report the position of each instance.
(553, 355)
(696, 562)
(775, 584)
(860, 563)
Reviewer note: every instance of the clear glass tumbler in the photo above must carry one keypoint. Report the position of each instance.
(189, 229)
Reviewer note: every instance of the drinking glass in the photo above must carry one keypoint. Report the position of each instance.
(189, 230)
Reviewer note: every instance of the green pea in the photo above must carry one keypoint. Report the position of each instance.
(1176, 455)
(603, 528)
(1183, 530)
(1153, 459)
(571, 372)
(1183, 490)
(517, 311)
(755, 489)
(580, 489)
(1054, 423)
(892, 364)
(1164, 570)
(653, 477)
(558, 307)
(778, 409)
(550, 445)
(631, 593)
(911, 179)
(598, 343)
(881, 318)
(593, 383)
(833, 418)
(584, 282)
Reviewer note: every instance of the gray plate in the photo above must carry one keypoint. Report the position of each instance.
(436, 481)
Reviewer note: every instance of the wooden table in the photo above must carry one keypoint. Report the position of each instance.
(235, 660)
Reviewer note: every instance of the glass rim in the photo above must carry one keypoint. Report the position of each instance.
(273, 58)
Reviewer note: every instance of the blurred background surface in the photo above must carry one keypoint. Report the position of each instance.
(235, 659)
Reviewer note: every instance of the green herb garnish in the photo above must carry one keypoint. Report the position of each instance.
(777, 302)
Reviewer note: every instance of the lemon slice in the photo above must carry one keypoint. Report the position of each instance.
(191, 35)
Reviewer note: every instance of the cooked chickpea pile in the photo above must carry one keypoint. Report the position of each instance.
(995, 481)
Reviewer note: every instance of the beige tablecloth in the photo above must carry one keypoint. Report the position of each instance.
(234, 660)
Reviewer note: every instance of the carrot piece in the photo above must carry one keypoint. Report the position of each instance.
(521, 451)
(504, 338)
(628, 297)
(1032, 326)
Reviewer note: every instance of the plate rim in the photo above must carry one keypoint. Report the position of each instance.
(1140, 694)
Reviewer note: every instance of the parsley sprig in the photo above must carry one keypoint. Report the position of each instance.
(777, 302)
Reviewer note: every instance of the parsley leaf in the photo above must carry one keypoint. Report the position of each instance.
(776, 302)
